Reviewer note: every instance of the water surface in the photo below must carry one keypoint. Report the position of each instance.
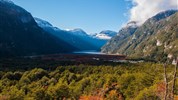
(88, 52)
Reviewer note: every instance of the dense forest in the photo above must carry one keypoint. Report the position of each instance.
(124, 81)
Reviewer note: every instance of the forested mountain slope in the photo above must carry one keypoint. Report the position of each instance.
(21, 36)
(157, 38)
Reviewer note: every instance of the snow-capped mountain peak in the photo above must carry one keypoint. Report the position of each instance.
(102, 36)
(105, 35)
(77, 31)
(46, 25)
(108, 32)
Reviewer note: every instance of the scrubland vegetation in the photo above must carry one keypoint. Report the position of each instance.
(141, 81)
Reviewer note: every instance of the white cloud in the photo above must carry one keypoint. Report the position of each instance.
(144, 9)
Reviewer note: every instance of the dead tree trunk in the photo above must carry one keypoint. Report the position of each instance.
(174, 79)
(166, 83)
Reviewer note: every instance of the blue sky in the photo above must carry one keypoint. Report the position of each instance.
(92, 16)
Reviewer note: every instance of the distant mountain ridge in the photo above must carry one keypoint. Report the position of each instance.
(157, 38)
(75, 37)
(70, 36)
(163, 14)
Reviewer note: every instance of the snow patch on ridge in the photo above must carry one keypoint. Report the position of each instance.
(77, 31)
(103, 36)
(42, 23)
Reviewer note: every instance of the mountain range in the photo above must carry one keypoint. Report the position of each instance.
(23, 35)
(156, 39)
(76, 37)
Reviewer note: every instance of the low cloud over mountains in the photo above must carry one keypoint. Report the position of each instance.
(144, 9)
